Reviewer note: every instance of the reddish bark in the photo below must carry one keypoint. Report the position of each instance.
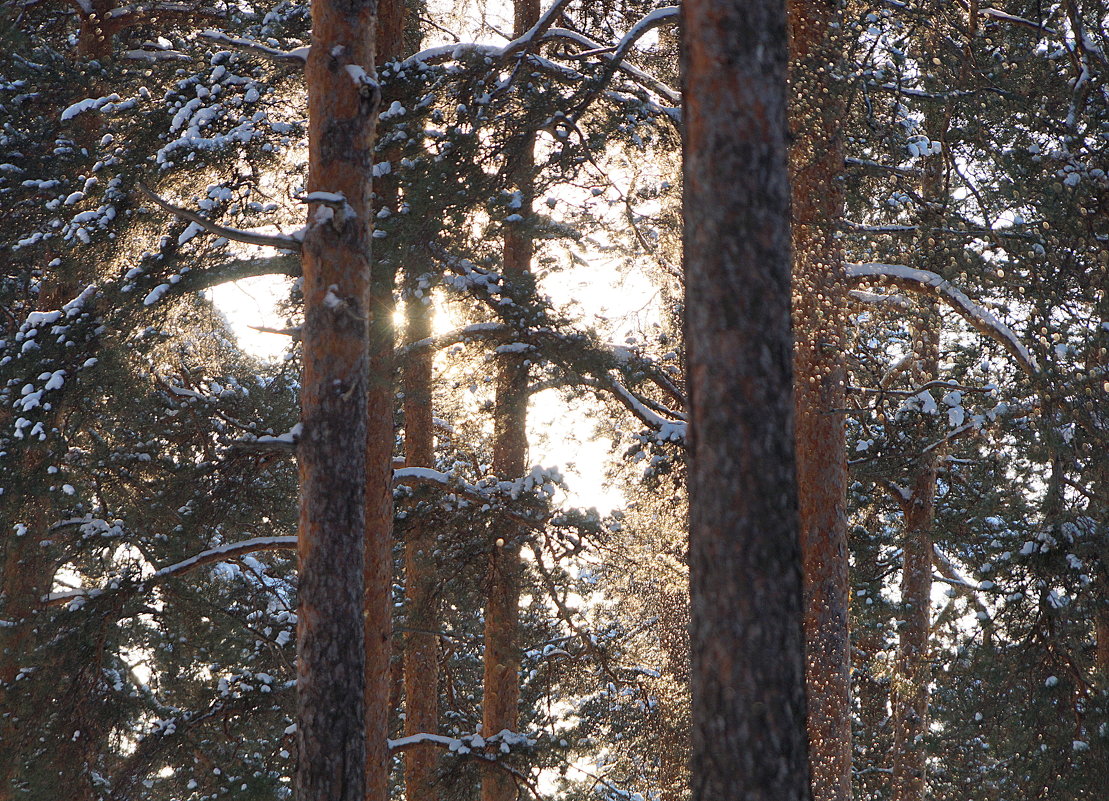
(746, 639)
(673, 703)
(345, 474)
(501, 667)
(421, 658)
(817, 112)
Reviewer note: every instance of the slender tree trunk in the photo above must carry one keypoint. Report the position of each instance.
(421, 657)
(871, 680)
(387, 44)
(910, 683)
(746, 638)
(420, 660)
(344, 501)
(817, 113)
(501, 679)
(1097, 362)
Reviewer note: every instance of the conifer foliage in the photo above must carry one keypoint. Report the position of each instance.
(364, 563)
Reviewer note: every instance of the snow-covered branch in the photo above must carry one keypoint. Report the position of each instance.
(935, 284)
(297, 57)
(460, 335)
(278, 241)
(221, 553)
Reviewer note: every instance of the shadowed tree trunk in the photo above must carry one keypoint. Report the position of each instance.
(501, 679)
(673, 704)
(421, 657)
(386, 44)
(910, 682)
(345, 502)
(746, 640)
(817, 112)
(909, 690)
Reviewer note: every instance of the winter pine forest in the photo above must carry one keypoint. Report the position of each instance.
(505, 241)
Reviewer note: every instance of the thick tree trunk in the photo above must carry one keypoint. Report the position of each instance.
(501, 668)
(341, 327)
(747, 646)
(819, 306)
(910, 683)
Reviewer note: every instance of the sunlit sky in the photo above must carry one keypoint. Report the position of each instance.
(562, 433)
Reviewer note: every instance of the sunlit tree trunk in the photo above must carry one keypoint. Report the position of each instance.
(421, 658)
(345, 473)
(501, 669)
(817, 111)
(909, 690)
(746, 639)
(500, 703)
(871, 680)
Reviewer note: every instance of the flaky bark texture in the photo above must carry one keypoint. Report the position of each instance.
(501, 667)
(334, 658)
(746, 642)
(817, 112)
(910, 684)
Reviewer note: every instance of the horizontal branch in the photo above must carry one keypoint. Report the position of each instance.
(278, 241)
(297, 57)
(218, 554)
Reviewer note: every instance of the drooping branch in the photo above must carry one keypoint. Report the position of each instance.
(927, 282)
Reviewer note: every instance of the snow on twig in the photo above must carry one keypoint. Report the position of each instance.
(297, 56)
(217, 554)
(278, 241)
(933, 283)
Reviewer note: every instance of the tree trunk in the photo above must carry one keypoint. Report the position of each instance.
(386, 44)
(501, 668)
(910, 683)
(343, 500)
(673, 702)
(746, 636)
(421, 658)
(871, 679)
(817, 113)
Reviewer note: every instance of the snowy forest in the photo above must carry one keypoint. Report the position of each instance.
(379, 381)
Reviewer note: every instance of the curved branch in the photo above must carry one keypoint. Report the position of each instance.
(927, 282)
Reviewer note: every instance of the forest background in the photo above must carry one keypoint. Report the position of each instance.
(148, 501)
